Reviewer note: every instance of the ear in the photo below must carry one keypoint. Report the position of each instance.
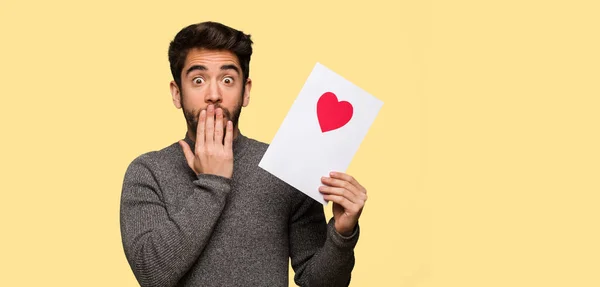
(246, 99)
(175, 94)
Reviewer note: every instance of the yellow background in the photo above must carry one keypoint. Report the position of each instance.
(482, 166)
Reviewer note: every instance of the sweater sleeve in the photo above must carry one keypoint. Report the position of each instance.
(320, 256)
(161, 246)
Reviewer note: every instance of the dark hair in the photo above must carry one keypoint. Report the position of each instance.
(213, 36)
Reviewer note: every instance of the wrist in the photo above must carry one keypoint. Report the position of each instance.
(346, 231)
(341, 241)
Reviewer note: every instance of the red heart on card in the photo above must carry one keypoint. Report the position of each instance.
(333, 114)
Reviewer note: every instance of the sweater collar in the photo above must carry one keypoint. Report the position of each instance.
(239, 143)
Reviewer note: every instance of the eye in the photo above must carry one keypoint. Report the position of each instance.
(198, 80)
(228, 80)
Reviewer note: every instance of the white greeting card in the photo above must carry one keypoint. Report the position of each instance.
(322, 131)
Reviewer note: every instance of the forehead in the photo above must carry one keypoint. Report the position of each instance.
(210, 58)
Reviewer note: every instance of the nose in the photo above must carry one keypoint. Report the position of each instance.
(213, 94)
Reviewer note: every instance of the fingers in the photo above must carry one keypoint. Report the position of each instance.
(229, 136)
(201, 129)
(349, 206)
(348, 178)
(210, 125)
(342, 184)
(340, 192)
(335, 182)
(219, 126)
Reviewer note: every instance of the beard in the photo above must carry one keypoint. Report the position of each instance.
(193, 116)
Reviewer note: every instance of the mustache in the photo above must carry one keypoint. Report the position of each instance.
(193, 117)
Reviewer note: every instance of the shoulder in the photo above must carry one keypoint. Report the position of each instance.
(254, 152)
(248, 154)
(255, 147)
(168, 157)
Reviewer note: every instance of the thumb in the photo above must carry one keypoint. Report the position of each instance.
(189, 156)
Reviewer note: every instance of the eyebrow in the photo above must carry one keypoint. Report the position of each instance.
(203, 68)
(230, 67)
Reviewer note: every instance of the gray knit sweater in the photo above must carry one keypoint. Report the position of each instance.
(180, 229)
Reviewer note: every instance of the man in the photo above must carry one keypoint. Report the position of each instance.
(200, 212)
